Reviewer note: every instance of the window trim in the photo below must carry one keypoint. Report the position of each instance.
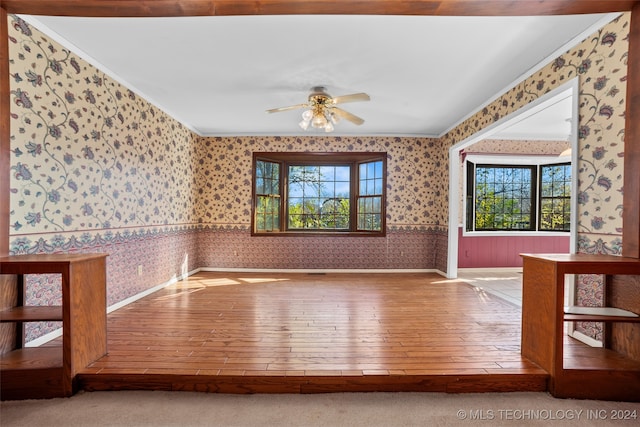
(516, 161)
(353, 159)
(532, 213)
(566, 199)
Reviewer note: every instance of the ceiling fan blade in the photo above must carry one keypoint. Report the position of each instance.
(347, 116)
(350, 98)
(291, 107)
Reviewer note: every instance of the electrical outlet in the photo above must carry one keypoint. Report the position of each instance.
(140, 270)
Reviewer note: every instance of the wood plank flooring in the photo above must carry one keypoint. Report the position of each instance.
(303, 333)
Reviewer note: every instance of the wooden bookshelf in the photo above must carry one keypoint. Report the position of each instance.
(45, 372)
(576, 370)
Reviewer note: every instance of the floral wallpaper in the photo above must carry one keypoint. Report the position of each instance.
(413, 165)
(415, 231)
(89, 154)
(600, 63)
(519, 147)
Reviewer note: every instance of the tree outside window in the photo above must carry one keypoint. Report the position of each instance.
(327, 192)
(518, 197)
(555, 197)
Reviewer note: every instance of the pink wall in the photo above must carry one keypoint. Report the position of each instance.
(504, 251)
(399, 249)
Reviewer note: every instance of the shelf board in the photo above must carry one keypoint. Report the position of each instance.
(599, 314)
(32, 358)
(579, 356)
(599, 318)
(32, 314)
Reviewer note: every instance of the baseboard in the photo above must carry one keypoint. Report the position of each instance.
(488, 269)
(585, 339)
(322, 270)
(44, 338)
(149, 291)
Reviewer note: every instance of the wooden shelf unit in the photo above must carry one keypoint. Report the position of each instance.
(577, 371)
(45, 372)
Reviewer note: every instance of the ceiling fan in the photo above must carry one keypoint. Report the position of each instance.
(321, 111)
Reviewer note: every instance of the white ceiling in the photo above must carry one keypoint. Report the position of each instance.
(218, 75)
(551, 121)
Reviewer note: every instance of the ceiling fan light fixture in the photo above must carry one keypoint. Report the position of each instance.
(319, 120)
(320, 111)
(307, 115)
(328, 127)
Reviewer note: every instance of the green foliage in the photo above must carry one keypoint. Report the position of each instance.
(504, 197)
(555, 198)
(313, 202)
(555, 214)
(497, 212)
(316, 214)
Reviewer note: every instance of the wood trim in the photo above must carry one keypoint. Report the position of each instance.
(28, 314)
(631, 200)
(84, 323)
(116, 8)
(576, 371)
(8, 332)
(5, 134)
(288, 158)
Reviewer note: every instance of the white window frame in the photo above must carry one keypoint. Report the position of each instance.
(506, 160)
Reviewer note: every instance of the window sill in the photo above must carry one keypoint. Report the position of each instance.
(515, 233)
(320, 233)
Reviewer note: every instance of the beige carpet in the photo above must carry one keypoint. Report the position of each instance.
(156, 408)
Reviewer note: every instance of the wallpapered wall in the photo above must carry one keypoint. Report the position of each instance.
(416, 235)
(519, 147)
(96, 168)
(600, 62)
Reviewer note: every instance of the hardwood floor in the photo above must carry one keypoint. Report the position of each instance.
(302, 333)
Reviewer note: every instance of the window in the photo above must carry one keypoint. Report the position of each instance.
(555, 197)
(312, 193)
(503, 197)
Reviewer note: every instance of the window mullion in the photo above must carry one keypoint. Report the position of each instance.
(284, 182)
(535, 191)
(470, 203)
(354, 196)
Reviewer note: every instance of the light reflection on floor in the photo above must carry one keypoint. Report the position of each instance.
(199, 283)
(504, 283)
